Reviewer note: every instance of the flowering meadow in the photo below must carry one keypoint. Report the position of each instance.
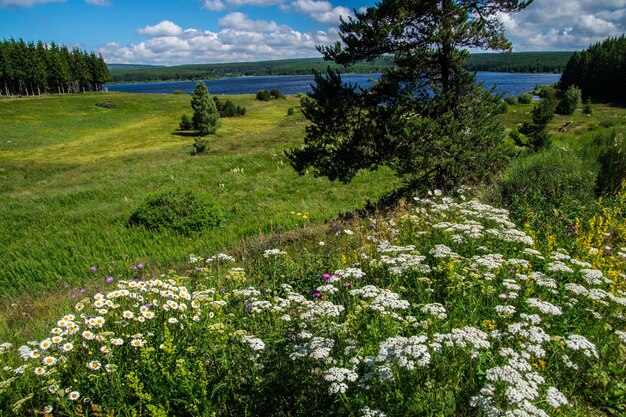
(444, 307)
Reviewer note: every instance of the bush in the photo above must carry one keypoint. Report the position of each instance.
(185, 123)
(542, 182)
(612, 164)
(178, 92)
(106, 104)
(290, 111)
(276, 94)
(511, 100)
(228, 108)
(525, 98)
(569, 101)
(588, 107)
(200, 146)
(263, 95)
(179, 211)
(537, 131)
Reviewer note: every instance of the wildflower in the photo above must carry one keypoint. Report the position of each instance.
(94, 365)
(117, 341)
(49, 360)
(39, 371)
(273, 252)
(555, 398)
(45, 344)
(254, 342)
(93, 268)
(109, 279)
(48, 409)
(137, 342)
(172, 320)
(87, 335)
(128, 314)
(66, 347)
(73, 396)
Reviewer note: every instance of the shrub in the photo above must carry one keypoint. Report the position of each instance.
(106, 104)
(545, 181)
(176, 210)
(263, 95)
(569, 101)
(185, 123)
(537, 131)
(228, 108)
(511, 100)
(588, 107)
(200, 146)
(276, 94)
(178, 92)
(290, 111)
(612, 164)
(525, 98)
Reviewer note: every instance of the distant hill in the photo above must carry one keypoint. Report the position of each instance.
(545, 62)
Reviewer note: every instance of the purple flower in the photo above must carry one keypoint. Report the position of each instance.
(93, 268)
(261, 287)
(327, 276)
(347, 284)
(82, 290)
(198, 269)
(73, 295)
(134, 267)
(318, 295)
(140, 266)
(109, 279)
(511, 271)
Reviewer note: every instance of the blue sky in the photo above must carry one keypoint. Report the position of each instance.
(198, 31)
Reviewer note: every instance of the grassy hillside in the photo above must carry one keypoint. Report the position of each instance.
(71, 174)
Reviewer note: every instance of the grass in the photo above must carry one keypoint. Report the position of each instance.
(71, 173)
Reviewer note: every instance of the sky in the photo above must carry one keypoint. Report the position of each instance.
(203, 31)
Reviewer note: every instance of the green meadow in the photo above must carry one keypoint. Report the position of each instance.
(72, 172)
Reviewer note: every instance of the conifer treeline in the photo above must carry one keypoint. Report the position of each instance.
(34, 69)
(599, 71)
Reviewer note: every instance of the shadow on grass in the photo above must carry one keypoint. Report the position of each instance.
(185, 134)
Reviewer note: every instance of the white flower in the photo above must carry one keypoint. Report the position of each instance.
(555, 398)
(578, 342)
(73, 396)
(435, 309)
(544, 306)
(254, 342)
(273, 252)
(505, 310)
(621, 335)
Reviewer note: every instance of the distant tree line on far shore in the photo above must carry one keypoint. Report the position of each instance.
(34, 69)
(599, 71)
(532, 62)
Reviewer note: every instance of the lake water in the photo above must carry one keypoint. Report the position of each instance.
(509, 84)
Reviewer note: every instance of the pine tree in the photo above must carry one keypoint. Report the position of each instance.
(205, 114)
(396, 121)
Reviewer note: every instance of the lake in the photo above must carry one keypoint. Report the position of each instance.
(509, 84)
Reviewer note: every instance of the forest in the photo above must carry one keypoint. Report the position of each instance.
(34, 69)
(499, 62)
(599, 71)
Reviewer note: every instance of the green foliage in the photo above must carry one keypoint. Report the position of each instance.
(178, 92)
(185, 123)
(290, 111)
(263, 95)
(453, 310)
(540, 62)
(29, 69)
(107, 104)
(599, 71)
(570, 100)
(588, 107)
(228, 108)
(611, 162)
(511, 100)
(205, 114)
(536, 132)
(276, 94)
(525, 98)
(395, 122)
(200, 146)
(543, 182)
(178, 211)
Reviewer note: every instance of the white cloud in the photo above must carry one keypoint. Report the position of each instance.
(240, 21)
(239, 39)
(218, 5)
(25, 3)
(98, 2)
(164, 28)
(322, 11)
(565, 24)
